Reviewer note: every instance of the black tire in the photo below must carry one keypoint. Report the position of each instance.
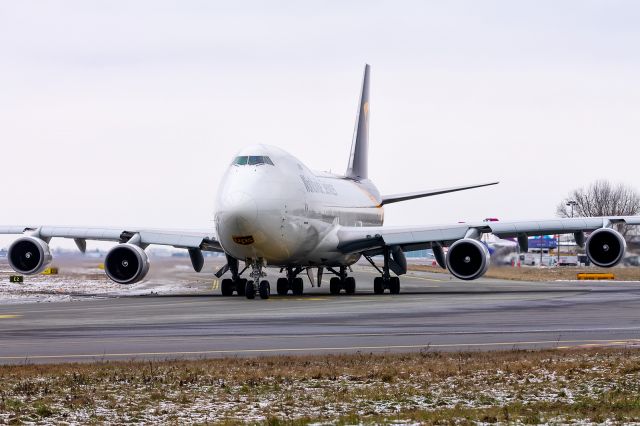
(241, 284)
(350, 285)
(335, 285)
(378, 285)
(394, 285)
(297, 286)
(249, 290)
(282, 286)
(226, 287)
(264, 289)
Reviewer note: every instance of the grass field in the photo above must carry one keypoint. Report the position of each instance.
(586, 385)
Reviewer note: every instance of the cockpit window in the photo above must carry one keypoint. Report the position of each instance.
(240, 161)
(255, 160)
(252, 160)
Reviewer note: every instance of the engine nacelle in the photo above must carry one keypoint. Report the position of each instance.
(126, 264)
(468, 259)
(29, 255)
(605, 247)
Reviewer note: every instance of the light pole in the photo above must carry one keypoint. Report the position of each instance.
(570, 203)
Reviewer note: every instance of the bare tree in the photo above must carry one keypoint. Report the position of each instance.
(601, 198)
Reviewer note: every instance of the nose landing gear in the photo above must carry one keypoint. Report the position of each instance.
(255, 285)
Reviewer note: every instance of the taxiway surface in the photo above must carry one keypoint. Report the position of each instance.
(433, 312)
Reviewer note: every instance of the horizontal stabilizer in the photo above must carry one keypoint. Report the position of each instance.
(394, 198)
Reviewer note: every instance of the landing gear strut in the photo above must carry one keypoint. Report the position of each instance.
(341, 281)
(385, 281)
(256, 284)
(237, 284)
(292, 282)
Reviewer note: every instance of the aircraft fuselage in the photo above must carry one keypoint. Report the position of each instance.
(284, 213)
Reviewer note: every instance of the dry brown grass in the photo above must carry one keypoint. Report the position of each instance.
(542, 274)
(526, 386)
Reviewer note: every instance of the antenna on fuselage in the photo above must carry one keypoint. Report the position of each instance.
(358, 160)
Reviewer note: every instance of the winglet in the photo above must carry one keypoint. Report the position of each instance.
(358, 160)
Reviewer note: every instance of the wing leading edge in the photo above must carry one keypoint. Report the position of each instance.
(371, 240)
(202, 240)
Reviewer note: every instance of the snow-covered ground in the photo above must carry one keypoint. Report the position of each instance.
(81, 278)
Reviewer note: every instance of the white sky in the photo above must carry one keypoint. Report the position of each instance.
(127, 113)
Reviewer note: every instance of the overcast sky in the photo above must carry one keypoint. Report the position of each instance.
(128, 113)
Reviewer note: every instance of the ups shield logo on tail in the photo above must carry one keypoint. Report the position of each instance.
(245, 241)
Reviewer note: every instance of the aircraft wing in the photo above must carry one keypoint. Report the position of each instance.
(371, 240)
(394, 198)
(203, 240)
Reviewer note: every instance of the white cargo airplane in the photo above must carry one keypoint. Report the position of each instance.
(272, 211)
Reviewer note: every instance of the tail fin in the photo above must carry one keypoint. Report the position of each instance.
(358, 161)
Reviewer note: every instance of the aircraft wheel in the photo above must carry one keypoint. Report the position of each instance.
(394, 285)
(350, 285)
(249, 290)
(335, 285)
(240, 286)
(297, 286)
(282, 286)
(265, 290)
(226, 287)
(378, 285)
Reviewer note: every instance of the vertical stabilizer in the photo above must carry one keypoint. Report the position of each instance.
(358, 160)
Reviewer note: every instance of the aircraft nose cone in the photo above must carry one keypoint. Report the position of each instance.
(240, 212)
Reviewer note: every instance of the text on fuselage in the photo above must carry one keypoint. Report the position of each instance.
(313, 185)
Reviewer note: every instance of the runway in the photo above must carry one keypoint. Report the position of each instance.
(433, 312)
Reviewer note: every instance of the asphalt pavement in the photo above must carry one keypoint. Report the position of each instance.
(433, 313)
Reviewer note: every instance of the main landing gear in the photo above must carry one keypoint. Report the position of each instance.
(229, 286)
(385, 281)
(291, 282)
(235, 284)
(341, 282)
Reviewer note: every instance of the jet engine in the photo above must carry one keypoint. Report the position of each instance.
(126, 264)
(29, 255)
(605, 247)
(468, 259)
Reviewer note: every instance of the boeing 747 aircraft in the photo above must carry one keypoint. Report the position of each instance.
(274, 212)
